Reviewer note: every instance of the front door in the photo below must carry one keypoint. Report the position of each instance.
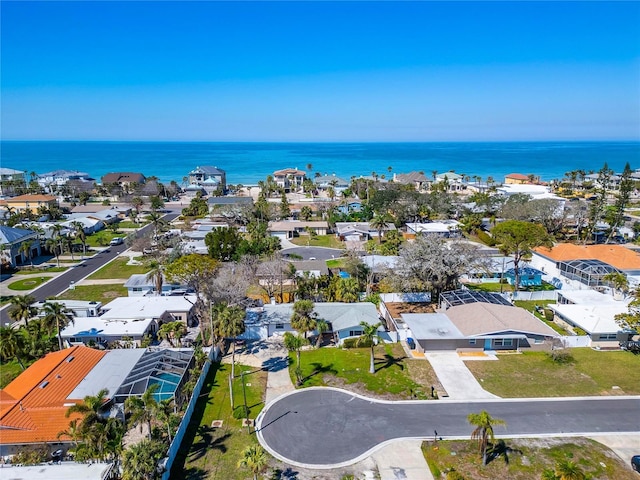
(487, 344)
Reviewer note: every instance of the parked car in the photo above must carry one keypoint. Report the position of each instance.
(635, 463)
(116, 241)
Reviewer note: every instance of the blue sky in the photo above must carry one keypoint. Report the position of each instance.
(320, 71)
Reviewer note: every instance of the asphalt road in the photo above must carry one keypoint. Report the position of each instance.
(87, 267)
(325, 427)
(317, 253)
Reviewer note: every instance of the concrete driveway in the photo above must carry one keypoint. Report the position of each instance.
(456, 378)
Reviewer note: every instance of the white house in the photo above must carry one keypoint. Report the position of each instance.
(138, 285)
(104, 332)
(160, 308)
(443, 228)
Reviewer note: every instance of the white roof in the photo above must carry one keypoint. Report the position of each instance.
(590, 297)
(108, 373)
(430, 326)
(147, 307)
(63, 471)
(592, 318)
(99, 327)
(442, 226)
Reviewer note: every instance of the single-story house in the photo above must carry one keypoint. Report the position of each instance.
(350, 207)
(163, 309)
(291, 228)
(479, 326)
(138, 285)
(325, 182)
(124, 179)
(314, 268)
(343, 319)
(227, 201)
(419, 181)
(107, 212)
(593, 312)
(89, 224)
(78, 308)
(11, 240)
(104, 333)
(393, 305)
(359, 231)
(200, 230)
(443, 228)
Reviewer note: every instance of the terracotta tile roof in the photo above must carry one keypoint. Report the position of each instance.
(517, 176)
(31, 198)
(615, 255)
(37, 412)
(289, 171)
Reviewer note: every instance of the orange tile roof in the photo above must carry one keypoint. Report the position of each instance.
(517, 176)
(615, 255)
(39, 394)
(31, 198)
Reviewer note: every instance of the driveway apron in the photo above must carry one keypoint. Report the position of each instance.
(456, 378)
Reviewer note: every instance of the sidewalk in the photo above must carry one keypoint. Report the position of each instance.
(402, 460)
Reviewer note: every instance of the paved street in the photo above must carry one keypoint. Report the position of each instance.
(324, 427)
(61, 282)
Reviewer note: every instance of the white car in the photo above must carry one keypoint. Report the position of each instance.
(116, 241)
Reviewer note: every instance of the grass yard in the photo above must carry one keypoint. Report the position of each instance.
(336, 263)
(526, 459)
(9, 371)
(213, 453)
(35, 271)
(5, 299)
(94, 293)
(530, 305)
(534, 374)
(118, 269)
(495, 287)
(28, 283)
(329, 241)
(396, 377)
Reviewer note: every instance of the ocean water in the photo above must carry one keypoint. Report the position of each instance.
(247, 163)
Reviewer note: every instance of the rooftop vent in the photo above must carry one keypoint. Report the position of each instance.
(70, 359)
(44, 384)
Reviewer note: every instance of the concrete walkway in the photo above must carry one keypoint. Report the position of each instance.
(456, 378)
(402, 460)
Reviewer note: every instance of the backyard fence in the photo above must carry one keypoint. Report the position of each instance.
(177, 439)
(573, 341)
(545, 295)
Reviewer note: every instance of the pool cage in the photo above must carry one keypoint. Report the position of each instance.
(166, 368)
(589, 272)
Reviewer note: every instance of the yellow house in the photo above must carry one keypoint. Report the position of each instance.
(29, 202)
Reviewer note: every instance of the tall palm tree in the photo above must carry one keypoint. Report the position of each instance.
(379, 222)
(255, 459)
(156, 275)
(229, 323)
(79, 233)
(11, 344)
(21, 308)
(321, 327)
(294, 343)
(303, 317)
(90, 406)
(484, 430)
(55, 313)
(142, 409)
(370, 334)
(52, 245)
(140, 461)
(25, 250)
(618, 280)
(74, 432)
(568, 470)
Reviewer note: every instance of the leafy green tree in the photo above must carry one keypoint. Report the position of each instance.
(631, 319)
(294, 343)
(255, 459)
(483, 432)
(520, 238)
(597, 206)
(369, 335)
(306, 213)
(347, 290)
(21, 308)
(303, 318)
(156, 203)
(223, 243)
(622, 200)
(56, 314)
(285, 210)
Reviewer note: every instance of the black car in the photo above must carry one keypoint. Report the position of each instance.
(635, 463)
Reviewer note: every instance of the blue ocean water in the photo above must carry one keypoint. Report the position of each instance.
(247, 163)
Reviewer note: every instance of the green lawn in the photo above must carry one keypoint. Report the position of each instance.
(530, 305)
(329, 241)
(534, 374)
(28, 283)
(336, 263)
(526, 459)
(40, 270)
(495, 287)
(396, 376)
(118, 269)
(9, 371)
(94, 293)
(213, 453)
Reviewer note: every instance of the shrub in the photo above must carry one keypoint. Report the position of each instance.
(562, 356)
(356, 343)
(548, 314)
(485, 238)
(241, 411)
(453, 475)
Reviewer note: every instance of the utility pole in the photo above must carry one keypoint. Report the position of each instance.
(246, 409)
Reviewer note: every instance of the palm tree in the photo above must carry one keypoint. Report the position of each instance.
(11, 344)
(255, 459)
(140, 461)
(21, 308)
(379, 222)
(229, 323)
(55, 313)
(156, 275)
(52, 245)
(25, 250)
(568, 470)
(294, 343)
(303, 316)
(484, 430)
(90, 406)
(142, 409)
(618, 280)
(79, 233)
(74, 432)
(370, 334)
(321, 326)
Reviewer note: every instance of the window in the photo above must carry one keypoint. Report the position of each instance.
(503, 342)
(355, 333)
(608, 336)
(538, 341)
(279, 326)
(472, 341)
